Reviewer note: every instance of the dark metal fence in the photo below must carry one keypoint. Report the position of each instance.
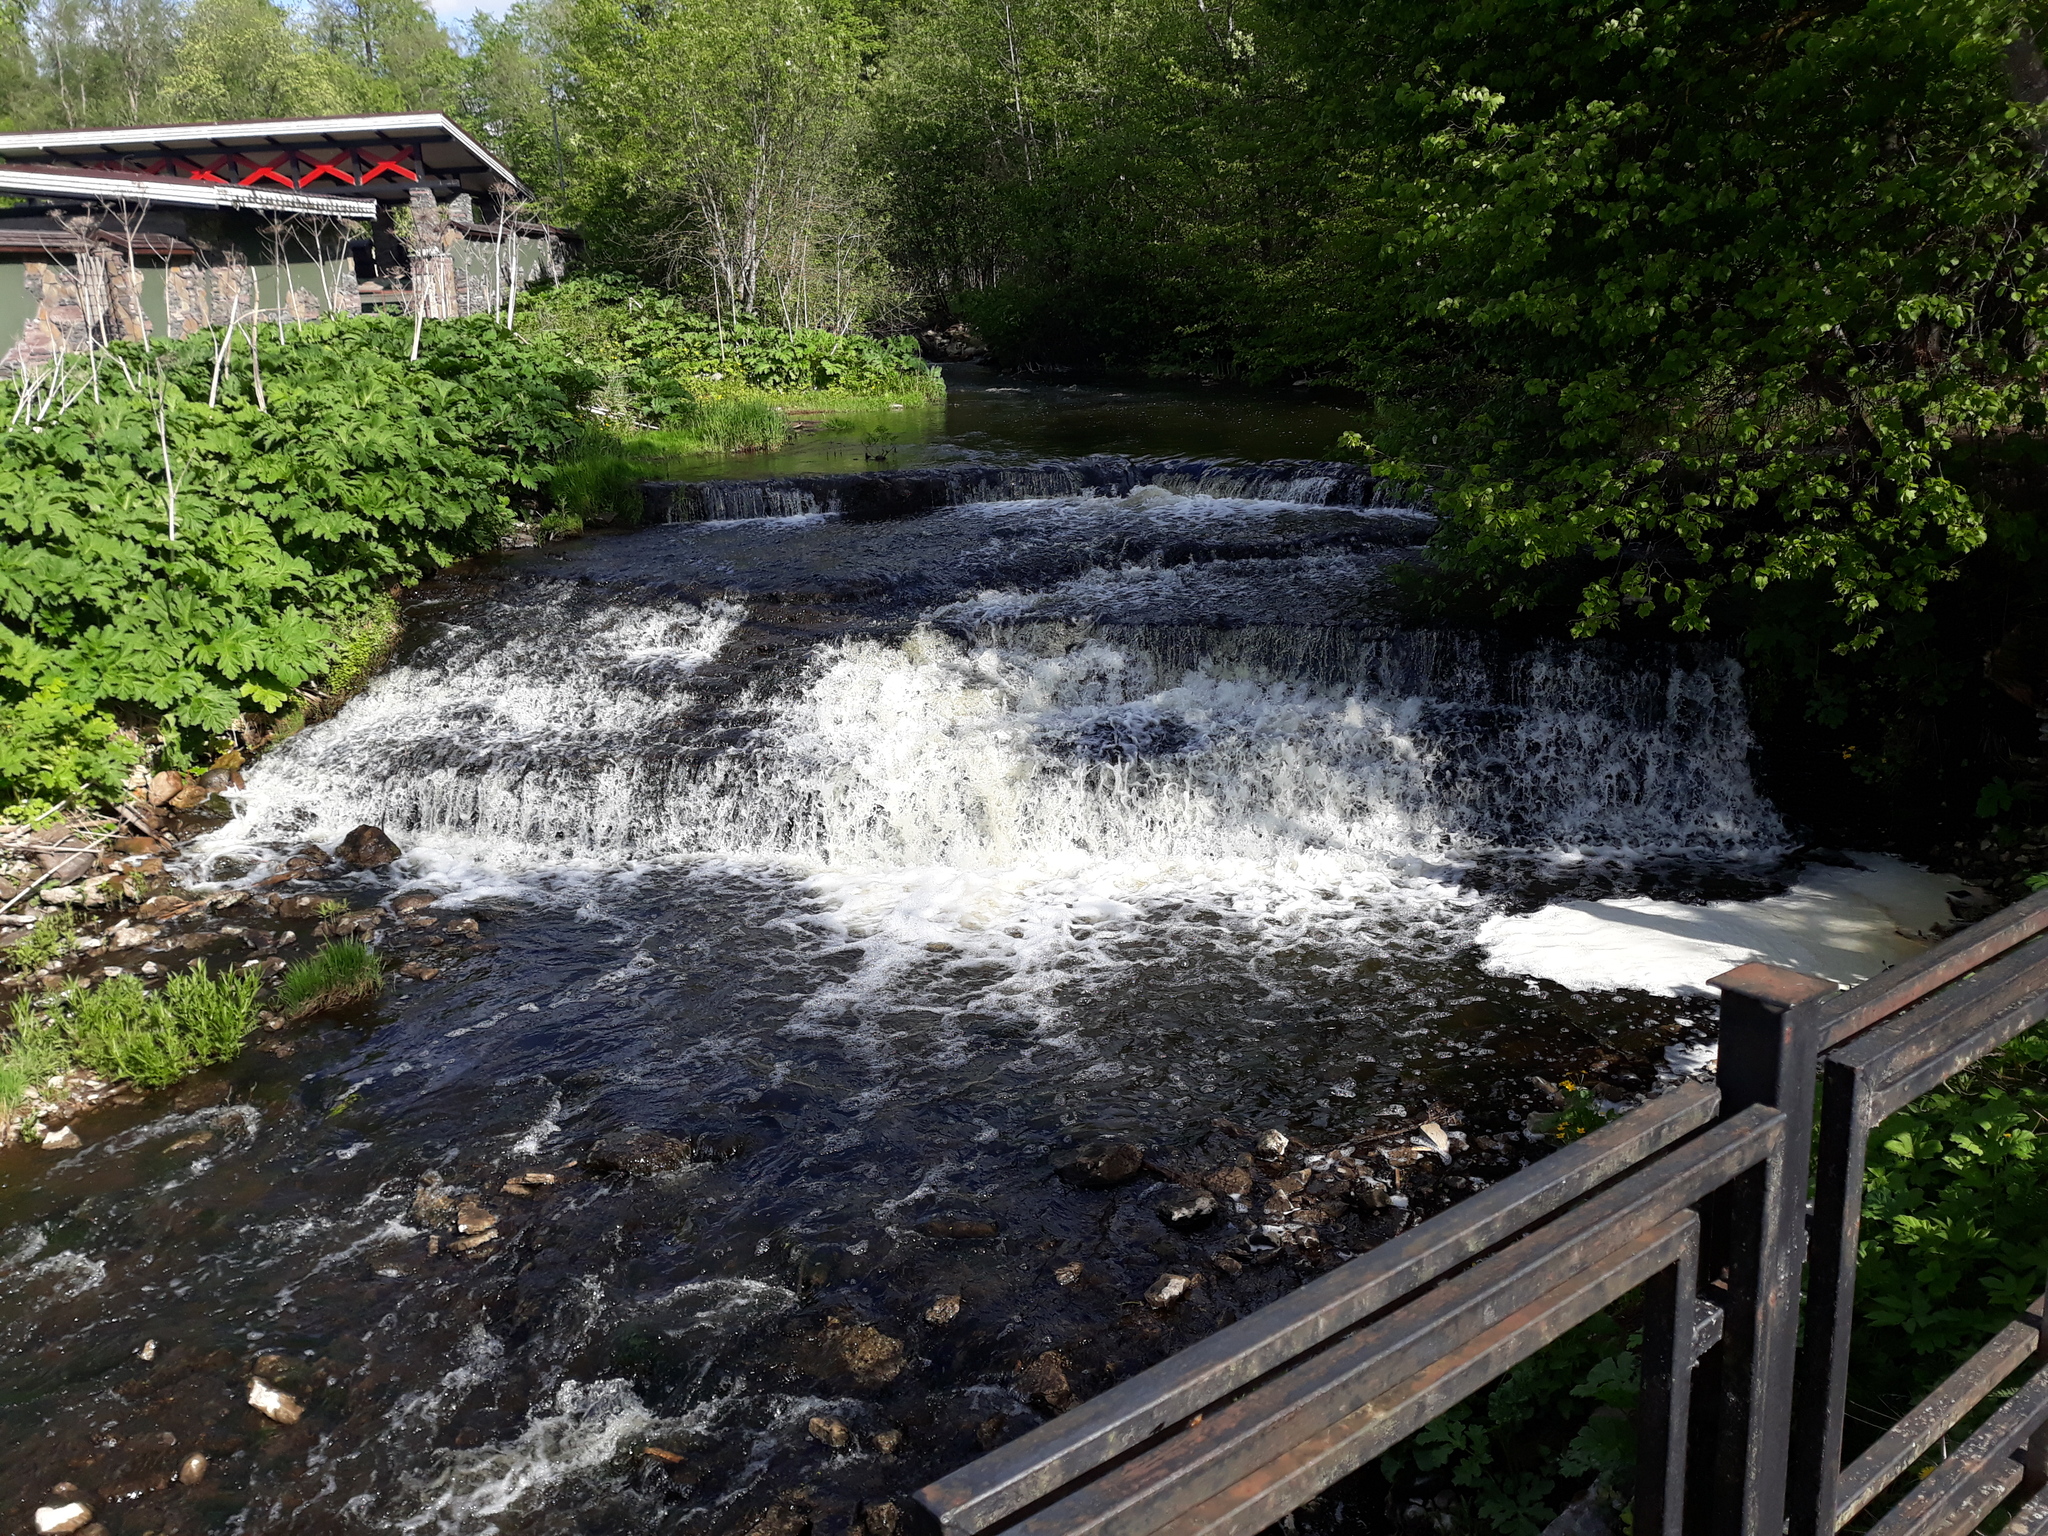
(1699, 1199)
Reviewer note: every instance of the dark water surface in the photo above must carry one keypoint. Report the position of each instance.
(990, 417)
(882, 863)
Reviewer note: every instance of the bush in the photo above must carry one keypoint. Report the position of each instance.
(177, 604)
(343, 972)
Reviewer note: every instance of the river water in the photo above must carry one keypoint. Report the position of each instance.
(883, 859)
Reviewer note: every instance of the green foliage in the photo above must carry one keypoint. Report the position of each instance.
(360, 469)
(1954, 1241)
(1519, 1451)
(54, 935)
(340, 973)
(118, 1031)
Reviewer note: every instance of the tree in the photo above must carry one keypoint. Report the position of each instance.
(717, 135)
(244, 59)
(1686, 300)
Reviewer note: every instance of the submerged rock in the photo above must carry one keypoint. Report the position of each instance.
(1103, 1165)
(192, 1469)
(636, 1153)
(59, 1519)
(864, 1353)
(959, 1228)
(942, 1311)
(368, 848)
(433, 1205)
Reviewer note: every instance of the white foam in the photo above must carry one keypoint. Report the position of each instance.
(1845, 924)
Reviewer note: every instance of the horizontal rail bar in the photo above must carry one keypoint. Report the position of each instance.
(1976, 1475)
(1935, 1415)
(1922, 1033)
(1998, 1030)
(1847, 1014)
(1301, 1472)
(1098, 1431)
(1143, 1493)
(2030, 1519)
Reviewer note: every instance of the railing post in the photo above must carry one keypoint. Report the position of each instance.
(1768, 1049)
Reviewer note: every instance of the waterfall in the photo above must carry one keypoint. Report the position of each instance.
(1046, 777)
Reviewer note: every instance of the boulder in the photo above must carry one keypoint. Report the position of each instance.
(1103, 1165)
(164, 787)
(64, 1139)
(60, 1519)
(368, 848)
(636, 1153)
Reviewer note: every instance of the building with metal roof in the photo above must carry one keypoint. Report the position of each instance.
(126, 233)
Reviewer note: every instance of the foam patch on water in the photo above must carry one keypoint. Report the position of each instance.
(1845, 924)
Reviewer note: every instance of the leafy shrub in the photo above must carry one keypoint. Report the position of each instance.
(356, 470)
(343, 972)
(1955, 1222)
(667, 354)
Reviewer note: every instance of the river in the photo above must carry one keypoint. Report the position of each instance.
(880, 861)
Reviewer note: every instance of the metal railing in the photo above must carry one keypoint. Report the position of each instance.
(1699, 1200)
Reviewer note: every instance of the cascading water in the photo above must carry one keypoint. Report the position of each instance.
(891, 857)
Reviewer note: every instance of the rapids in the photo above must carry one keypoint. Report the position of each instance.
(898, 854)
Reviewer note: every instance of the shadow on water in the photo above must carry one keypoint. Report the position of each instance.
(876, 865)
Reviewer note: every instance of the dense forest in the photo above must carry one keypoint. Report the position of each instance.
(1715, 316)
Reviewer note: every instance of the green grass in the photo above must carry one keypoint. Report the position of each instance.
(599, 482)
(121, 1032)
(341, 973)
